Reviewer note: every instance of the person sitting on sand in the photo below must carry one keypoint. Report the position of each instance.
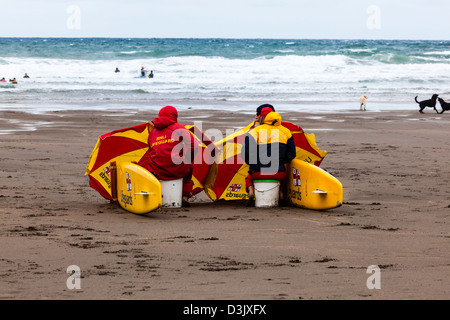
(267, 149)
(171, 142)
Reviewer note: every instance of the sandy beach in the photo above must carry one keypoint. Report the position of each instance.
(393, 166)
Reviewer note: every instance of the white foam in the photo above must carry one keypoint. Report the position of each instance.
(287, 78)
(445, 53)
(25, 125)
(362, 50)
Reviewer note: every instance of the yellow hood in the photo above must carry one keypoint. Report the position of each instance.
(273, 118)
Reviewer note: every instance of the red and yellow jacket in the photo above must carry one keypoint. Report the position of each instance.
(169, 141)
(269, 146)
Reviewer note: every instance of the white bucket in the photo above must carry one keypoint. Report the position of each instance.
(172, 193)
(267, 193)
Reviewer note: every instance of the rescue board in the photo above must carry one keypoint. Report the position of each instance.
(137, 190)
(311, 187)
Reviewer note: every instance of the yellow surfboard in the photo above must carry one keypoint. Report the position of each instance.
(137, 190)
(312, 187)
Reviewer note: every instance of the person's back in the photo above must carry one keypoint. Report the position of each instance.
(267, 149)
(163, 141)
(171, 150)
(269, 146)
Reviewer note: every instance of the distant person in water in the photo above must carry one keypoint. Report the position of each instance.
(3, 80)
(143, 71)
(13, 80)
(26, 75)
(150, 75)
(117, 70)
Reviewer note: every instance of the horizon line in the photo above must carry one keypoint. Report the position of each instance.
(221, 38)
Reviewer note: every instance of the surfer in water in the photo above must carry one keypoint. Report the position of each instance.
(150, 75)
(117, 70)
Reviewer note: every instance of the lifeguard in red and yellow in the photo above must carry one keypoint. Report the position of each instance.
(171, 150)
(267, 149)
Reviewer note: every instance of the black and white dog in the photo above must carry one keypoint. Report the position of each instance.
(431, 103)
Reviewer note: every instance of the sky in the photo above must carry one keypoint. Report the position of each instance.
(276, 19)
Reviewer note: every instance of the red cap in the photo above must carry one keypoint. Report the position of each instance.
(264, 113)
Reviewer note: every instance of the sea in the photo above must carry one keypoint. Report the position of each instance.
(225, 74)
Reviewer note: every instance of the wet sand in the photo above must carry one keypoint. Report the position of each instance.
(393, 166)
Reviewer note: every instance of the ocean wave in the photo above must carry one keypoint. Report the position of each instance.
(399, 59)
(284, 51)
(144, 53)
(362, 50)
(75, 70)
(439, 53)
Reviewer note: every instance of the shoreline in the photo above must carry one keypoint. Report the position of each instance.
(395, 216)
(312, 106)
(25, 120)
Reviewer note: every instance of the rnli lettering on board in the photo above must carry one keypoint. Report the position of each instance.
(294, 194)
(233, 191)
(232, 194)
(126, 199)
(105, 174)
